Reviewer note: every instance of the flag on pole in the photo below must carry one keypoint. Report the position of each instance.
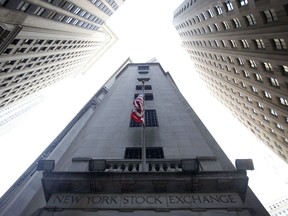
(137, 114)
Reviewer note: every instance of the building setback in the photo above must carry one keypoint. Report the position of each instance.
(45, 41)
(239, 48)
(106, 164)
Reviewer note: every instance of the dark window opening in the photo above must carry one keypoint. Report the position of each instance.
(146, 87)
(151, 153)
(150, 120)
(143, 79)
(147, 96)
(143, 72)
(143, 67)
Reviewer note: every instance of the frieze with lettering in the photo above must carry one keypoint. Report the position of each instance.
(145, 201)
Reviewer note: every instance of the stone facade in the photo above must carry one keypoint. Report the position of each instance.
(192, 177)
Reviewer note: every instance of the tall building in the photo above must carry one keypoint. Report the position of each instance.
(103, 163)
(43, 41)
(279, 207)
(239, 48)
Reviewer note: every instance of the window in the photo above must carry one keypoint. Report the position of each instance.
(280, 127)
(211, 13)
(270, 15)
(283, 101)
(143, 72)
(224, 43)
(143, 79)
(151, 153)
(252, 63)
(246, 73)
(250, 19)
(217, 27)
(226, 25)
(274, 82)
(133, 153)
(260, 105)
(219, 10)
(267, 94)
(148, 96)
(267, 66)
(233, 43)
(245, 43)
(258, 77)
(236, 22)
(23, 6)
(150, 120)
(143, 67)
(229, 6)
(280, 44)
(285, 69)
(265, 118)
(273, 112)
(146, 87)
(243, 2)
(254, 89)
(39, 11)
(240, 61)
(259, 43)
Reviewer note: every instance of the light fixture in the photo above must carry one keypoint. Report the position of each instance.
(244, 164)
(190, 165)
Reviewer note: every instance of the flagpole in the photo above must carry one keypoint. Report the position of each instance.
(144, 162)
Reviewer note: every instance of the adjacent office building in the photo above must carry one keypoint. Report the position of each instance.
(239, 48)
(103, 163)
(43, 41)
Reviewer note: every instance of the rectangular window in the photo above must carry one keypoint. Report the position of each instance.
(143, 67)
(252, 63)
(146, 87)
(143, 79)
(211, 13)
(150, 120)
(229, 6)
(270, 15)
(274, 82)
(219, 10)
(226, 25)
(236, 22)
(259, 43)
(243, 2)
(245, 43)
(267, 66)
(280, 44)
(250, 19)
(151, 153)
(143, 72)
(285, 69)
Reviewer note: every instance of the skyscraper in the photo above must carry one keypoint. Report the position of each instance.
(45, 41)
(103, 163)
(239, 48)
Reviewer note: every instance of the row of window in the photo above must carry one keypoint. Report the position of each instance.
(254, 89)
(218, 9)
(277, 43)
(36, 10)
(225, 96)
(265, 66)
(269, 16)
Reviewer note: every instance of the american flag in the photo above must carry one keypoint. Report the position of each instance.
(137, 114)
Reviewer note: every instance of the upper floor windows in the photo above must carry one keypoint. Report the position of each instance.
(270, 15)
(233, 43)
(146, 87)
(143, 67)
(211, 13)
(243, 2)
(226, 25)
(285, 69)
(250, 19)
(150, 119)
(143, 72)
(236, 23)
(219, 10)
(259, 43)
(267, 66)
(229, 6)
(245, 43)
(280, 44)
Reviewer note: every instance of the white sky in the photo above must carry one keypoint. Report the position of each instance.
(145, 30)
